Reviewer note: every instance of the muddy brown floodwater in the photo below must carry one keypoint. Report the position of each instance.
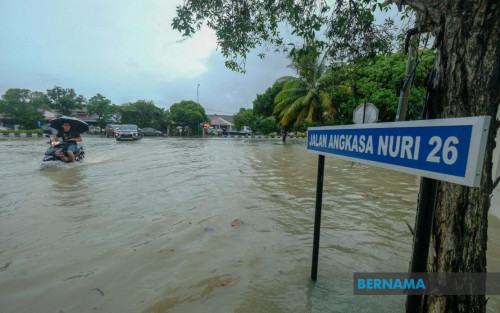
(147, 227)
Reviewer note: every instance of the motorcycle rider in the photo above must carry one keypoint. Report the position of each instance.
(70, 139)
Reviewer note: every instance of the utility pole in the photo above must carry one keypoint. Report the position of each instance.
(197, 99)
(410, 65)
(428, 190)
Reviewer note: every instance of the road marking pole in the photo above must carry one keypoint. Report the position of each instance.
(317, 216)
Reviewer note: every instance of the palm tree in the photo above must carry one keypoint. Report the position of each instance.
(304, 97)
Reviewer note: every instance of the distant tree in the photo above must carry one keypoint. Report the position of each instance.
(303, 125)
(16, 104)
(267, 125)
(39, 99)
(65, 101)
(142, 112)
(101, 106)
(263, 105)
(305, 97)
(372, 81)
(189, 113)
(165, 121)
(116, 116)
(245, 117)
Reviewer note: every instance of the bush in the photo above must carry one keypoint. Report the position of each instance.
(298, 135)
(267, 125)
(273, 134)
(22, 131)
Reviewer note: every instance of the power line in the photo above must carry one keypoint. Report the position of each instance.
(206, 109)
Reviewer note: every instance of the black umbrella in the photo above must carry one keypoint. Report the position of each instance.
(76, 124)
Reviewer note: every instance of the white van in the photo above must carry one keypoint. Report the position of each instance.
(246, 130)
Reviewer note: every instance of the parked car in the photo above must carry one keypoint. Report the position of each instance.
(246, 130)
(127, 132)
(110, 130)
(94, 129)
(148, 131)
(47, 129)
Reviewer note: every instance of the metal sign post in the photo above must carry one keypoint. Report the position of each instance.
(365, 113)
(422, 237)
(317, 216)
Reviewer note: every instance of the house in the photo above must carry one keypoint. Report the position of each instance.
(6, 122)
(48, 115)
(80, 114)
(224, 122)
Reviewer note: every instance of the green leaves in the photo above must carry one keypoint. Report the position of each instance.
(263, 105)
(245, 117)
(143, 113)
(22, 105)
(189, 113)
(345, 28)
(65, 100)
(101, 106)
(183, 21)
(304, 98)
(373, 82)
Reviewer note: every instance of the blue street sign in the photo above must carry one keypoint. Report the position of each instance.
(451, 150)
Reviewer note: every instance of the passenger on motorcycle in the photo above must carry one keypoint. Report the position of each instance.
(70, 140)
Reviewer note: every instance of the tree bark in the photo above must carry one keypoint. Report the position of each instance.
(465, 83)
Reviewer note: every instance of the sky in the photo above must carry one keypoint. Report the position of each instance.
(126, 51)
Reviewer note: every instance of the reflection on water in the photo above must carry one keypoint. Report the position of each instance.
(146, 227)
(67, 180)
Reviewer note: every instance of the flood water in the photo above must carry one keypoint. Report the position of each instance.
(146, 227)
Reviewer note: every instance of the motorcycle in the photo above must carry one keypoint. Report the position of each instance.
(56, 147)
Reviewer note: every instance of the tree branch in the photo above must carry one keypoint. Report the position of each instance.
(495, 183)
(415, 31)
(398, 3)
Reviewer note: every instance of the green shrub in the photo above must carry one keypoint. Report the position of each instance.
(22, 131)
(273, 134)
(34, 131)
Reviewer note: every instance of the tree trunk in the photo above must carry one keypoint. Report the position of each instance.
(465, 83)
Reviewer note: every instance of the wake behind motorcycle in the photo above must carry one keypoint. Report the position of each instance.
(57, 148)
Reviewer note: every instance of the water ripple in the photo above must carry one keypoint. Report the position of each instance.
(151, 221)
